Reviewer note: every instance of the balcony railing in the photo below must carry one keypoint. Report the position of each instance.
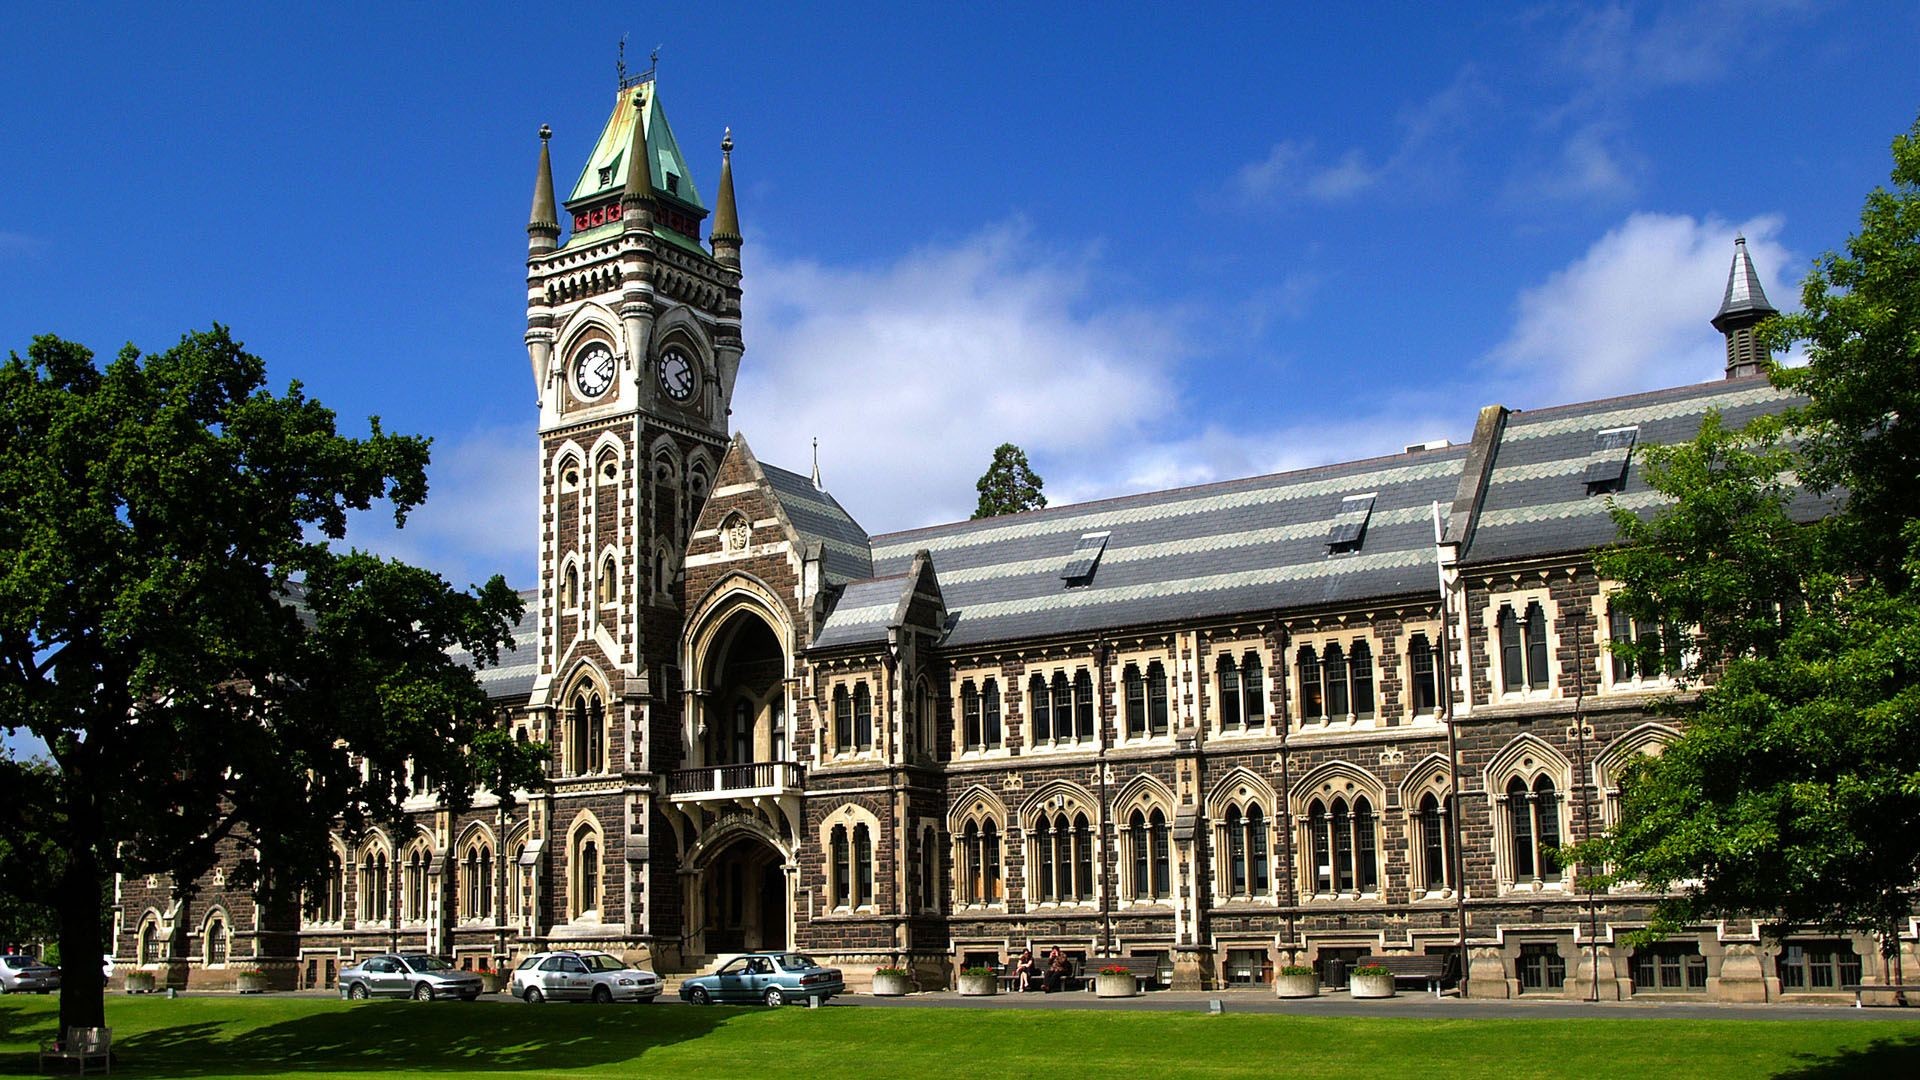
(725, 779)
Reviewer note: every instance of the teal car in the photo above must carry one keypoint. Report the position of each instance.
(772, 978)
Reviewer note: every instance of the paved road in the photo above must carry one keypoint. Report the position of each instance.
(1405, 1005)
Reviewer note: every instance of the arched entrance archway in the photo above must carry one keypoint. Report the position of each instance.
(744, 897)
(745, 700)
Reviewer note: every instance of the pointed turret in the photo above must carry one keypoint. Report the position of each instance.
(726, 220)
(637, 198)
(1745, 305)
(543, 226)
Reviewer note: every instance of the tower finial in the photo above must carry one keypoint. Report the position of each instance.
(543, 225)
(639, 189)
(1744, 306)
(816, 464)
(726, 218)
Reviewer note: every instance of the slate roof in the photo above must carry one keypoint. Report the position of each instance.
(1537, 501)
(864, 611)
(1241, 546)
(1248, 547)
(513, 676)
(846, 553)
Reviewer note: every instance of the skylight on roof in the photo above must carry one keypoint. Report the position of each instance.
(1607, 465)
(1350, 523)
(1086, 556)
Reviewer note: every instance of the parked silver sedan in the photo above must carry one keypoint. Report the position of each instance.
(420, 977)
(582, 976)
(25, 975)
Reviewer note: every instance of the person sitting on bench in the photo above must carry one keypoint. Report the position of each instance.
(1026, 969)
(1057, 969)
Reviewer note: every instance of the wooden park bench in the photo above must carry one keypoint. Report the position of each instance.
(1428, 971)
(1860, 992)
(1144, 969)
(1074, 979)
(83, 1046)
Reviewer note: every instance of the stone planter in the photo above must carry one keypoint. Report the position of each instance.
(139, 982)
(979, 985)
(1371, 986)
(1115, 986)
(489, 982)
(250, 982)
(1296, 986)
(885, 985)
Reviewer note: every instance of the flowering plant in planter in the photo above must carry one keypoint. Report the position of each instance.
(978, 970)
(890, 971)
(1296, 970)
(1371, 970)
(1114, 969)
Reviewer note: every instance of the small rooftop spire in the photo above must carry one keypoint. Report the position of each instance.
(726, 219)
(544, 222)
(816, 465)
(639, 190)
(1745, 305)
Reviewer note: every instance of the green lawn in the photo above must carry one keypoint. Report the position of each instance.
(226, 1036)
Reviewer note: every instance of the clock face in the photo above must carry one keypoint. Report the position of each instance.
(676, 374)
(593, 371)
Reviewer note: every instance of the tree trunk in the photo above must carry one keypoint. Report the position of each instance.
(83, 989)
(1890, 955)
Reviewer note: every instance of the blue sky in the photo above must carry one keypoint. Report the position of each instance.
(1153, 245)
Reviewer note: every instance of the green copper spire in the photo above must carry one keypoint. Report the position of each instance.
(639, 189)
(726, 220)
(544, 222)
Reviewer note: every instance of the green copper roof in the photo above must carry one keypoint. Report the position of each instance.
(606, 170)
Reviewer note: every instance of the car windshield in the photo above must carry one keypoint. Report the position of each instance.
(427, 963)
(603, 962)
(794, 960)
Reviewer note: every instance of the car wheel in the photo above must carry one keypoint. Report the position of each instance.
(602, 995)
(774, 998)
(423, 992)
(699, 996)
(534, 996)
(357, 992)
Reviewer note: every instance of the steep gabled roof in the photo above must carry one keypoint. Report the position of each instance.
(1539, 501)
(1237, 547)
(817, 517)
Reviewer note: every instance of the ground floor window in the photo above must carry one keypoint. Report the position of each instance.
(1669, 966)
(1541, 967)
(1334, 965)
(1246, 967)
(1818, 965)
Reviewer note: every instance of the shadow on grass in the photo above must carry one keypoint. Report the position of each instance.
(398, 1037)
(1882, 1057)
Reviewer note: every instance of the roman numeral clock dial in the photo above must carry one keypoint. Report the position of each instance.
(593, 372)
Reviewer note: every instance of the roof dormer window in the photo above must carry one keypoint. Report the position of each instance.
(1607, 465)
(1350, 523)
(1086, 556)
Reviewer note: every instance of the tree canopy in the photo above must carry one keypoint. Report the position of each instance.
(1009, 485)
(203, 664)
(1794, 791)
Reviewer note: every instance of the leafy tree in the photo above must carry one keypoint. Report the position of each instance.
(1009, 485)
(203, 666)
(1795, 789)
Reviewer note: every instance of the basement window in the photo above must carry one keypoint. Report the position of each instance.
(1350, 523)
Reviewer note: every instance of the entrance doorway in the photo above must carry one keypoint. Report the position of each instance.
(744, 894)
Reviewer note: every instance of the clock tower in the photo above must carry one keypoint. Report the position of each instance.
(633, 331)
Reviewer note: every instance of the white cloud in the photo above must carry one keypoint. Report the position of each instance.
(480, 515)
(1292, 172)
(912, 371)
(1631, 314)
(1593, 163)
